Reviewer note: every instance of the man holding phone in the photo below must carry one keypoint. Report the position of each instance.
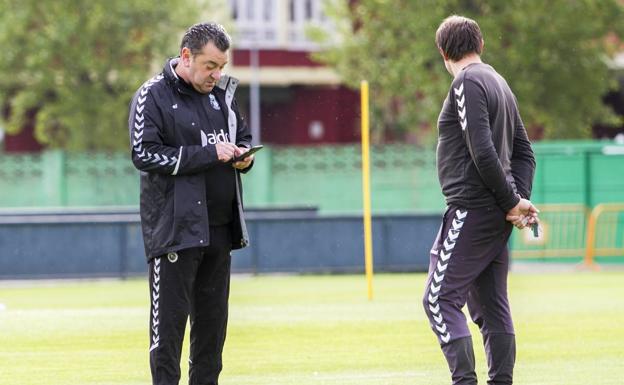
(188, 139)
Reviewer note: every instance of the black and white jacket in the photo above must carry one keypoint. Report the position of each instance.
(484, 156)
(167, 146)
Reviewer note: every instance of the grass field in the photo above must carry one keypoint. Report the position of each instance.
(311, 330)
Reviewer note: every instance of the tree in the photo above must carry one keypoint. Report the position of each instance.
(73, 65)
(552, 53)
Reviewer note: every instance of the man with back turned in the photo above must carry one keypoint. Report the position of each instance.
(485, 167)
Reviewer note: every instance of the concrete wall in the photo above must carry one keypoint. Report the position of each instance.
(93, 244)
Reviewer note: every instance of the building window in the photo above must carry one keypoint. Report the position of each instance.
(268, 10)
(291, 10)
(234, 7)
(250, 9)
(259, 24)
(308, 10)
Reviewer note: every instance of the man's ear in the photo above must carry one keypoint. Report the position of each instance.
(442, 53)
(185, 56)
(482, 45)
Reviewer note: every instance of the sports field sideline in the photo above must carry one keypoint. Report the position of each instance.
(311, 330)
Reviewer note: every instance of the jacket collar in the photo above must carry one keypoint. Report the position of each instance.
(172, 77)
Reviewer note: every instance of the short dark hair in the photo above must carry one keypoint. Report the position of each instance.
(198, 35)
(459, 36)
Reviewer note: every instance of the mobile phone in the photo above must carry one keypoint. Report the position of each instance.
(251, 151)
(535, 228)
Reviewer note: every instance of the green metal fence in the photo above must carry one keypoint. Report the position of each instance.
(57, 179)
(403, 178)
(329, 178)
(588, 172)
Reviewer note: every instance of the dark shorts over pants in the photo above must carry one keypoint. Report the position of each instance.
(196, 283)
(469, 262)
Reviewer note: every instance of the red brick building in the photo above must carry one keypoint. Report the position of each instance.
(301, 101)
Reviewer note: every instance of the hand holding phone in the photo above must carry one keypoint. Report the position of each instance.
(249, 152)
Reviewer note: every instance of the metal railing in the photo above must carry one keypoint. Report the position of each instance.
(562, 233)
(605, 232)
(574, 232)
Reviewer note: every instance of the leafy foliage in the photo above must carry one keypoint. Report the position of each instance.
(553, 54)
(73, 65)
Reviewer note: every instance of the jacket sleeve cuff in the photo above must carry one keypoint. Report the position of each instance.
(510, 203)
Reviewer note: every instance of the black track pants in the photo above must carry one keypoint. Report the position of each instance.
(469, 263)
(196, 283)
